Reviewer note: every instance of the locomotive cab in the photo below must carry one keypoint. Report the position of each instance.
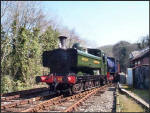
(95, 52)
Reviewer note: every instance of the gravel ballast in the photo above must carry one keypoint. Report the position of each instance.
(101, 102)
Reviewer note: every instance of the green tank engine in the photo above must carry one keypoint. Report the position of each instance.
(74, 69)
(78, 60)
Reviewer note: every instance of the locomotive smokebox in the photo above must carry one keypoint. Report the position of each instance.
(62, 40)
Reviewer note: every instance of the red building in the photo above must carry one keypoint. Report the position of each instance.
(140, 58)
(140, 63)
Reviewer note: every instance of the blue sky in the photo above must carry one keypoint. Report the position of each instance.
(102, 23)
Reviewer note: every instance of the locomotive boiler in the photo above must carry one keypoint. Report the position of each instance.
(74, 69)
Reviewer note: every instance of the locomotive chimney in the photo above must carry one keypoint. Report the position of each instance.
(62, 40)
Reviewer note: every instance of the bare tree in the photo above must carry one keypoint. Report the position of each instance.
(4, 7)
(27, 13)
(144, 42)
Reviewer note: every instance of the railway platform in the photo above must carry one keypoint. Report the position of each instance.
(134, 96)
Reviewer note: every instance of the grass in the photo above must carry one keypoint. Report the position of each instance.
(142, 93)
(129, 105)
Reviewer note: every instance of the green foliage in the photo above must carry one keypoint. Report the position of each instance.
(20, 54)
(49, 39)
(26, 54)
(121, 53)
(19, 85)
(5, 51)
(6, 84)
(24, 61)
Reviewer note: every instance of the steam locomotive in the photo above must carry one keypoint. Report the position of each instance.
(77, 69)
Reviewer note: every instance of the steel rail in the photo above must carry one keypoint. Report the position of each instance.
(61, 99)
(79, 102)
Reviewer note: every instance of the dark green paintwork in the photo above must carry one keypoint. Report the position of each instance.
(87, 60)
(91, 61)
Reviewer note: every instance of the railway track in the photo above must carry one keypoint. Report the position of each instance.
(54, 103)
(21, 94)
(13, 99)
(20, 105)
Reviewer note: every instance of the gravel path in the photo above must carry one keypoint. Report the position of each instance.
(101, 102)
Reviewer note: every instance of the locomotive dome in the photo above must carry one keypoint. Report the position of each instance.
(76, 45)
(79, 47)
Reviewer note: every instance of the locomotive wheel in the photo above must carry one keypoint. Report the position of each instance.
(97, 83)
(51, 88)
(77, 88)
(67, 92)
(87, 85)
(101, 82)
(91, 84)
